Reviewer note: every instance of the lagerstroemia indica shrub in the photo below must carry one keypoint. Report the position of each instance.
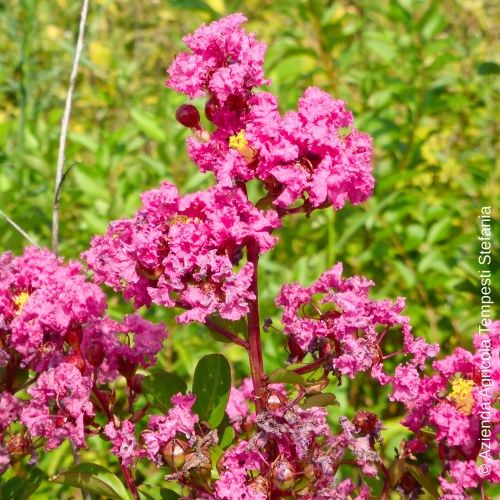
(62, 359)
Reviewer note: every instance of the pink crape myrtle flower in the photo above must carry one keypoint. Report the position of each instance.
(179, 420)
(41, 300)
(241, 399)
(133, 340)
(312, 154)
(235, 480)
(10, 409)
(347, 327)
(225, 61)
(58, 406)
(454, 400)
(182, 251)
(125, 446)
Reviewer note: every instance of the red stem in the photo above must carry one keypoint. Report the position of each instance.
(104, 402)
(312, 366)
(254, 342)
(225, 333)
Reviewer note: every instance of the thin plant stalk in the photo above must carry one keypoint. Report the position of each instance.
(64, 128)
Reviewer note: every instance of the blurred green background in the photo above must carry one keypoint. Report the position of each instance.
(419, 76)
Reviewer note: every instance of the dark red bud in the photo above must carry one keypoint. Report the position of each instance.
(295, 350)
(329, 318)
(126, 367)
(60, 421)
(188, 116)
(136, 383)
(77, 361)
(408, 483)
(95, 354)
(74, 336)
(211, 107)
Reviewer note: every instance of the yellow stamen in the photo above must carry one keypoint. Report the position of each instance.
(183, 219)
(20, 300)
(461, 395)
(238, 142)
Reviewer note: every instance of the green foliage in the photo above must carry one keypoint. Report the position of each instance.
(94, 479)
(211, 386)
(160, 387)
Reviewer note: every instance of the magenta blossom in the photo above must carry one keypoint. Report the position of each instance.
(58, 406)
(335, 320)
(179, 420)
(225, 61)
(41, 301)
(124, 443)
(182, 251)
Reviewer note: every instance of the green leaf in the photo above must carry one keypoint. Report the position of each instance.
(148, 123)
(238, 328)
(286, 377)
(439, 230)
(95, 479)
(321, 399)
(160, 387)
(17, 488)
(488, 68)
(427, 481)
(211, 385)
(154, 492)
(227, 437)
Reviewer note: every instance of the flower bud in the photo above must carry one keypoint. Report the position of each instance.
(188, 116)
(329, 318)
(151, 274)
(126, 367)
(74, 335)
(95, 354)
(283, 474)
(174, 453)
(136, 383)
(77, 361)
(211, 107)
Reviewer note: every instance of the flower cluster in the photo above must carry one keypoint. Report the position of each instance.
(293, 449)
(313, 155)
(52, 325)
(457, 403)
(182, 251)
(335, 321)
(41, 303)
